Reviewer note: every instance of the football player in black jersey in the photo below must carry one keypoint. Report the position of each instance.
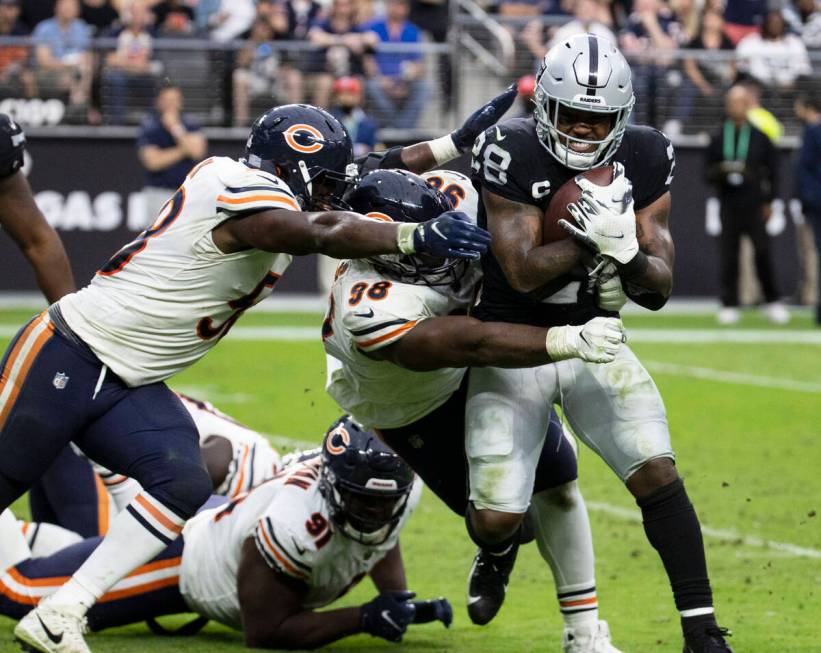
(20, 217)
(583, 100)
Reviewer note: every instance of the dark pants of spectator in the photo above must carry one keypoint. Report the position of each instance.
(734, 222)
(648, 80)
(814, 221)
(688, 96)
(121, 90)
(386, 111)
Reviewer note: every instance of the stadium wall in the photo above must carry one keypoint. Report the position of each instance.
(89, 187)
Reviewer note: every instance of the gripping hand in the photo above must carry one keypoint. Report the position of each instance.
(596, 341)
(605, 217)
(388, 615)
(482, 118)
(609, 291)
(433, 610)
(452, 234)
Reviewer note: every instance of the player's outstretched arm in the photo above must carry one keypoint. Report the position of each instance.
(458, 341)
(427, 155)
(40, 244)
(516, 229)
(342, 234)
(272, 612)
(648, 277)
(389, 573)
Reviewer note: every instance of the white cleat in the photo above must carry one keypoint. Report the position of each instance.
(593, 638)
(776, 313)
(52, 629)
(728, 315)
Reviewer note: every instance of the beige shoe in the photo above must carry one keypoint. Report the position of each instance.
(52, 629)
(728, 315)
(776, 313)
(594, 638)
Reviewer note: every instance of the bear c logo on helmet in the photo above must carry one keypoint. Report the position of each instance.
(340, 433)
(303, 138)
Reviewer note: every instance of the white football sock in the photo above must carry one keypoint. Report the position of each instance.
(121, 489)
(45, 539)
(566, 543)
(13, 546)
(136, 535)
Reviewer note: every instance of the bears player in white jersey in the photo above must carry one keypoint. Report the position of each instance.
(583, 101)
(24, 222)
(273, 555)
(91, 369)
(398, 344)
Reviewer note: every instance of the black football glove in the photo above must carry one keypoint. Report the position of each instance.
(482, 118)
(433, 610)
(451, 235)
(388, 615)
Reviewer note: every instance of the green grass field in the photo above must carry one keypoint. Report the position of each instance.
(745, 421)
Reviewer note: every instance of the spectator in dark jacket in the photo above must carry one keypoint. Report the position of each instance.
(808, 177)
(169, 144)
(742, 163)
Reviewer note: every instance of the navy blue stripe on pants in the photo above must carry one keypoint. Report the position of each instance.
(155, 591)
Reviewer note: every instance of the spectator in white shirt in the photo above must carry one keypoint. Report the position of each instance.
(774, 57)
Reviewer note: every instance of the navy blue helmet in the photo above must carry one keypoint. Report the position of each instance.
(307, 148)
(12, 146)
(401, 196)
(364, 482)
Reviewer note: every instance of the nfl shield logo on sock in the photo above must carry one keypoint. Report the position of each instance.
(60, 380)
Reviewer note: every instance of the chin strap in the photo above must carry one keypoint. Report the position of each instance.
(306, 177)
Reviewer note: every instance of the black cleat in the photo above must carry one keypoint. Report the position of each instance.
(707, 640)
(487, 583)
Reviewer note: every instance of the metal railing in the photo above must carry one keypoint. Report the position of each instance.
(479, 59)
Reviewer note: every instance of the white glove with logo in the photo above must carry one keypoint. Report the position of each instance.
(605, 215)
(596, 341)
(609, 291)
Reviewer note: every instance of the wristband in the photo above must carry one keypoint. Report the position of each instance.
(557, 346)
(443, 149)
(635, 267)
(404, 238)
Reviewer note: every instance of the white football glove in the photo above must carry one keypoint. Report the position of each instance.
(596, 341)
(609, 291)
(605, 215)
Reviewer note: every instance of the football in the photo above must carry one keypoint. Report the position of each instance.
(567, 194)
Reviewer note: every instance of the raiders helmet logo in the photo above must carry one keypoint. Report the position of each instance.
(303, 138)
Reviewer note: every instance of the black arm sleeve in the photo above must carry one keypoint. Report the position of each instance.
(388, 159)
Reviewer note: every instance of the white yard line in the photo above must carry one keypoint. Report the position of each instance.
(697, 336)
(723, 534)
(736, 378)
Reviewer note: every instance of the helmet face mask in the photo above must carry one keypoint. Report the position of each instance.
(366, 485)
(401, 196)
(585, 75)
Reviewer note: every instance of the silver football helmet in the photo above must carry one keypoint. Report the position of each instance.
(585, 73)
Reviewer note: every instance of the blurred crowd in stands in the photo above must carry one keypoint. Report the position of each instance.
(334, 59)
